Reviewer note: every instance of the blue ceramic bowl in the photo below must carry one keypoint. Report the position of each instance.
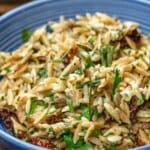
(37, 13)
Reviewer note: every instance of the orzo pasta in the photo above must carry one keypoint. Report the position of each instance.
(83, 86)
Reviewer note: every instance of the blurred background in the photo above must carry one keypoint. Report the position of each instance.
(6, 5)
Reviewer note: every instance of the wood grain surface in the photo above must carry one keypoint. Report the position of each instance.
(6, 5)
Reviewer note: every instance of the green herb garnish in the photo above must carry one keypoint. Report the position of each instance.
(78, 71)
(92, 40)
(96, 133)
(60, 60)
(7, 69)
(26, 34)
(106, 54)
(34, 105)
(50, 95)
(88, 62)
(79, 145)
(68, 139)
(85, 147)
(91, 83)
(141, 100)
(42, 73)
(51, 130)
(148, 83)
(120, 33)
(70, 104)
(117, 80)
(45, 105)
(110, 133)
(86, 111)
(86, 48)
(52, 41)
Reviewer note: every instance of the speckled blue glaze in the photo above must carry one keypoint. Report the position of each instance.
(37, 13)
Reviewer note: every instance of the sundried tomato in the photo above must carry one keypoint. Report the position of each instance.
(6, 115)
(42, 142)
(53, 119)
(134, 35)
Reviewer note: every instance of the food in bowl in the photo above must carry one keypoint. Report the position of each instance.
(85, 85)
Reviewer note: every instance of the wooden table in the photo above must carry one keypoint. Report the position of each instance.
(6, 5)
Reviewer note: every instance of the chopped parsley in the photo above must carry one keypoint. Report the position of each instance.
(78, 71)
(51, 130)
(45, 105)
(141, 100)
(34, 105)
(106, 54)
(117, 80)
(52, 41)
(7, 69)
(50, 95)
(86, 48)
(110, 133)
(85, 147)
(68, 139)
(26, 34)
(42, 73)
(148, 111)
(127, 50)
(88, 62)
(92, 40)
(120, 33)
(148, 83)
(79, 145)
(70, 104)
(142, 58)
(60, 60)
(91, 83)
(96, 133)
(86, 111)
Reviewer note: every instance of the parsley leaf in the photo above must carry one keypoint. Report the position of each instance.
(87, 112)
(69, 141)
(91, 83)
(106, 54)
(25, 34)
(78, 71)
(148, 83)
(143, 96)
(141, 100)
(7, 69)
(70, 104)
(79, 145)
(70, 145)
(51, 130)
(96, 132)
(34, 105)
(60, 60)
(92, 40)
(85, 147)
(88, 62)
(50, 95)
(42, 73)
(84, 47)
(120, 33)
(117, 80)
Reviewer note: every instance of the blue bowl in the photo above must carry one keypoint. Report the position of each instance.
(37, 13)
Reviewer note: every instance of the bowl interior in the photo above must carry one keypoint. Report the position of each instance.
(38, 13)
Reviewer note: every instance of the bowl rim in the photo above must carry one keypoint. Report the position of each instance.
(10, 138)
(37, 2)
